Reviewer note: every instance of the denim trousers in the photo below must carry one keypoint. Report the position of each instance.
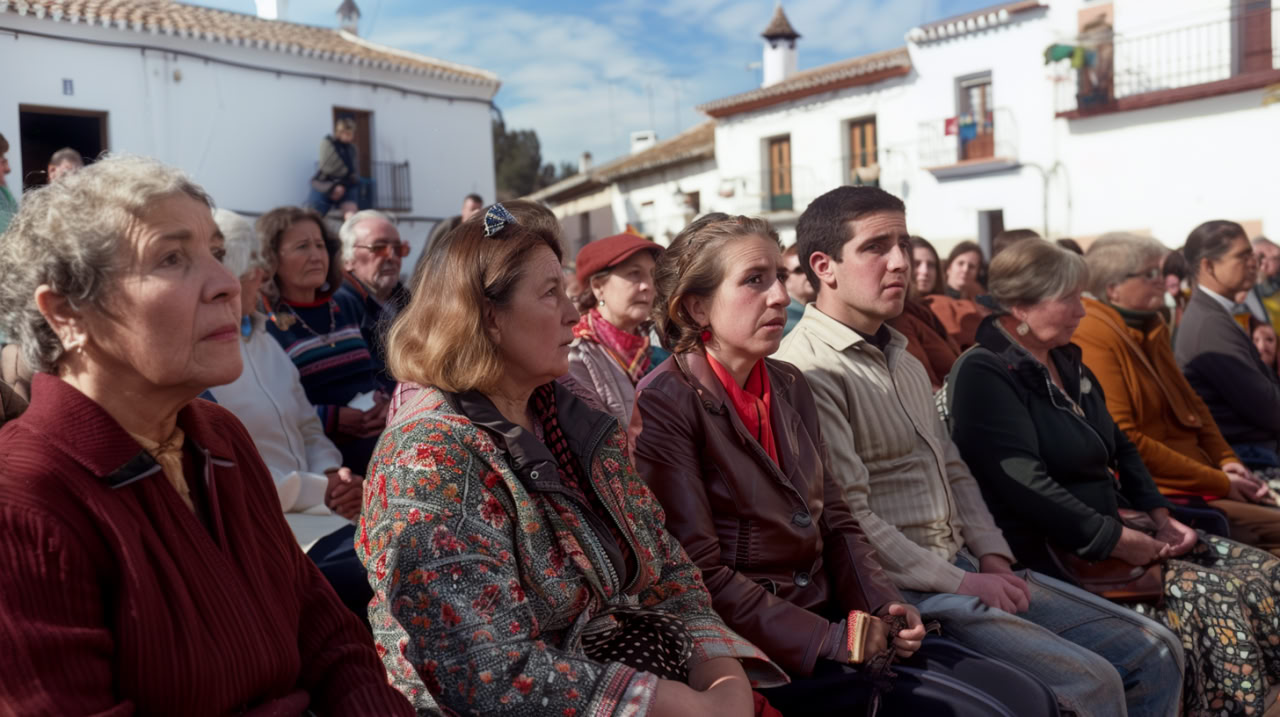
(1097, 657)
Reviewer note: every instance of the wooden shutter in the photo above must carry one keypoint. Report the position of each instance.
(862, 143)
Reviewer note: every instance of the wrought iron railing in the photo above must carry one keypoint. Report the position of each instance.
(947, 141)
(1105, 67)
(389, 188)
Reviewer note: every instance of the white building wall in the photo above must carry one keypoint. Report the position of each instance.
(649, 201)
(946, 211)
(1167, 169)
(249, 137)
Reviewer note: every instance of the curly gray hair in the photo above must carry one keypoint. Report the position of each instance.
(1116, 256)
(68, 235)
(348, 231)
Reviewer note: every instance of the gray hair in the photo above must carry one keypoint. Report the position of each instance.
(1115, 256)
(68, 235)
(348, 231)
(1262, 241)
(241, 242)
(1034, 270)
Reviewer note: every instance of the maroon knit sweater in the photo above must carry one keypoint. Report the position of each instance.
(115, 598)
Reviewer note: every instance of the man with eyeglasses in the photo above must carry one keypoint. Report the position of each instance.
(798, 288)
(372, 253)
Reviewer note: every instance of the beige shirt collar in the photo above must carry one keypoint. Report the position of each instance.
(840, 336)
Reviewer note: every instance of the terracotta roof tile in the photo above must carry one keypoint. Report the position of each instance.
(698, 142)
(846, 73)
(971, 22)
(695, 143)
(174, 18)
(779, 26)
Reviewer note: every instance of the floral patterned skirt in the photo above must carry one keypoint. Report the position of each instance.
(1220, 599)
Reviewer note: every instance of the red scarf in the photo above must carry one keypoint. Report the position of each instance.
(752, 402)
(631, 351)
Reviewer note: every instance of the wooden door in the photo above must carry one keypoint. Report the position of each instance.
(364, 136)
(780, 173)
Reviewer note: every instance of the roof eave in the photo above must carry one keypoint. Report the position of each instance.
(728, 107)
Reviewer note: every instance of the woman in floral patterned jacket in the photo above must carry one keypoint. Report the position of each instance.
(519, 564)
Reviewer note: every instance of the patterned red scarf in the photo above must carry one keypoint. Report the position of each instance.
(752, 402)
(631, 351)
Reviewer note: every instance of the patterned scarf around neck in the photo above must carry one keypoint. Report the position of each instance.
(631, 351)
(752, 402)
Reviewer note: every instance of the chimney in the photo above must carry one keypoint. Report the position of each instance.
(273, 9)
(779, 48)
(642, 140)
(584, 163)
(349, 17)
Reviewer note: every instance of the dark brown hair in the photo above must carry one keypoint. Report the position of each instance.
(1211, 241)
(693, 266)
(271, 228)
(440, 338)
(824, 224)
(922, 243)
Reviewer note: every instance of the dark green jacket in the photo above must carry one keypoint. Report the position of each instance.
(1046, 472)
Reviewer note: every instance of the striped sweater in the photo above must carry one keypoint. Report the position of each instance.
(335, 366)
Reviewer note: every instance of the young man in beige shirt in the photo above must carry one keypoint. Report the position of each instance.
(915, 498)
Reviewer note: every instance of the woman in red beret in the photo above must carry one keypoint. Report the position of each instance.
(610, 351)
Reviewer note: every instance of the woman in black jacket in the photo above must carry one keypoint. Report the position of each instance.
(1031, 421)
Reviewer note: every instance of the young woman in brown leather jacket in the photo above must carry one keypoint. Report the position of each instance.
(729, 441)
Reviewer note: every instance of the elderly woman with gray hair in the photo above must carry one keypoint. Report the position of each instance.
(144, 563)
(1071, 493)
(1125, 342)
(320, 496)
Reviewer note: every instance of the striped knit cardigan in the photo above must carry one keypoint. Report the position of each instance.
(483, 589)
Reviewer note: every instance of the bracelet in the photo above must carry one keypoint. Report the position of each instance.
(856, 635)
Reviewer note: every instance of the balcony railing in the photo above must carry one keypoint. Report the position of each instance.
(389, 189)
(969, 141)
(1108, 71)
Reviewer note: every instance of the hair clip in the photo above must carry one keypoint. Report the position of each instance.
(496, 219)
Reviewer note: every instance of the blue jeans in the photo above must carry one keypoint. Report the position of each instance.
(1098, 658)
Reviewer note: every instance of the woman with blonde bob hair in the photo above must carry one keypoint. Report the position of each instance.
(145, 566)
(1066, 484)
(516, 557)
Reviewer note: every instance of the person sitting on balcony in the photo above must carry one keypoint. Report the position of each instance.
(1126, 343)
(337, 178)
(954, 301)
(1215, 350)
(610, 352)
(320, 330)
(372, 253)
(731, 443)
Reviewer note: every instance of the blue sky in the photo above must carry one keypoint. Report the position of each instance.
(584, 74)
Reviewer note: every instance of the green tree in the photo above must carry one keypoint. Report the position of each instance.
(518, 165)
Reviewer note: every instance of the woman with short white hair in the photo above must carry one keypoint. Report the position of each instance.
(1126, 343)
(145, 566)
